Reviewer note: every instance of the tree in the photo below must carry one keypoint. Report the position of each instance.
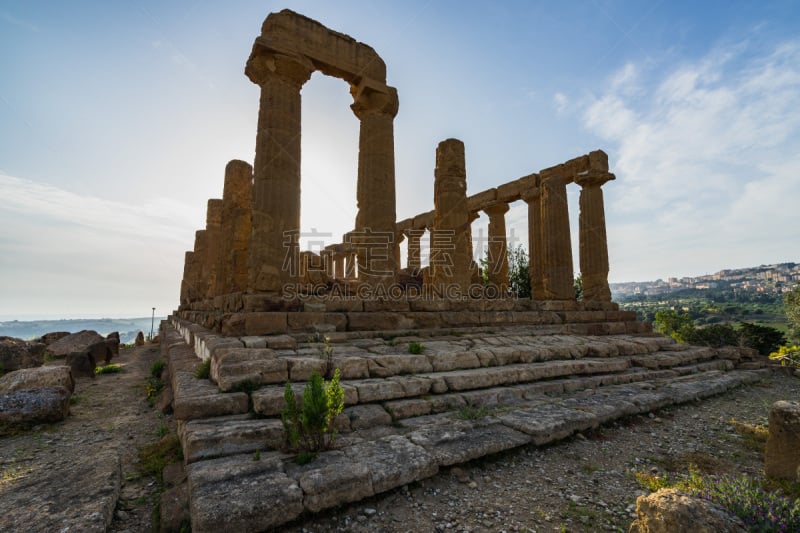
(763, 338)
(519, 278)
(791, 303)
(578, 286)
(671, 323)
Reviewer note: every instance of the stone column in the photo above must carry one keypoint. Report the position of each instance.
(498, 248)
(535, 252)
(186, 287)
(557, 272)
(399, 237)
(197, 280)
(350, 266)
(213, 245)
(375, 105)
(274, 240)
(236, 200)
(338, 266)
(450, 239)
(414, 235)
(593, 242)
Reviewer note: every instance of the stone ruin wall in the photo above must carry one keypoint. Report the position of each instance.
(249, 250)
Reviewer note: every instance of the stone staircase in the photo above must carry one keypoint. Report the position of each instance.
(470, 393)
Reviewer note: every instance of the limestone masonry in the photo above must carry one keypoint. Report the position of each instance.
(257, 310)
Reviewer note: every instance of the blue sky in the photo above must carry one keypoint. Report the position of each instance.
(117, 120)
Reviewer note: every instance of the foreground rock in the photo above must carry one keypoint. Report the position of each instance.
(17, 353)
(35, 395)
(671, 511)
(782, 456)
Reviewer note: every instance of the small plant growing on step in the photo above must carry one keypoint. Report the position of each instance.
(326, 352)
(415, 348)
(157, 368)
(309, 428)
(204, 370)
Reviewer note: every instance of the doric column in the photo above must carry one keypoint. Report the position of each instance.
(186, 282)
(498, 249)
(399, 237)
(274, 244)
(413, 260)
(557, 273)
(338, 266)
(350, 266)
(472, 217)
(213, 245)
(450, 245)
(593, 242)
(197, 279)
(236, 199)
(375, 105)
(532, 197)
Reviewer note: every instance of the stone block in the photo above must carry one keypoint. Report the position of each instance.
(37, 378)
(392, 365)
(367, 416)
(216, 437)
(393, 461)
(332, 479)
(376, 390)
(782, 456)
(266, 323)
(670, 510)
(224, 498)
(462, 441)
(400, 409)
(548, 423)
(307, 321)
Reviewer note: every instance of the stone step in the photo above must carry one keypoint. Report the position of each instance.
(241, 492)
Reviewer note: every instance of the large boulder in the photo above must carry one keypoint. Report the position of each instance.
(782, 456)
(50, 338)
(671, 511)
(38, 378)
(139, 339)
(75, 342)
(17, 353)
(35, 395)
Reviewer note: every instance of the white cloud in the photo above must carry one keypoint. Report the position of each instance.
(706, 157)
(87, 254)
(561, 101)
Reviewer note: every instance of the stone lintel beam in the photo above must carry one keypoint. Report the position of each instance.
(513, 190)
(476, 202)
(331, 52)
(405, 224)
(423, 221)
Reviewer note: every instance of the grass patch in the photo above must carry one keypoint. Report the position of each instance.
(415, 348)
(75, 399)
(155, 456)
(157, 368)
(153, 389)
(471, 412)
(109, 369)
(203, 371)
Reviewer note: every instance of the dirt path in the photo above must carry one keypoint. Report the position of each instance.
(79, 474)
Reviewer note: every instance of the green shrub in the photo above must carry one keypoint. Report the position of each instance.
(415, 348)
(309, 429)
(763, 338)
(108, 369)
(157, 368)
(204, 370)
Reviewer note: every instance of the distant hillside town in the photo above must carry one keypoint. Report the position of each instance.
(765, 279)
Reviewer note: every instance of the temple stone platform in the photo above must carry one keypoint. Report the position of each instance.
(473, 391)
(343, 318)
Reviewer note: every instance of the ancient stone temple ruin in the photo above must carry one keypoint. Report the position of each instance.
(262, 312)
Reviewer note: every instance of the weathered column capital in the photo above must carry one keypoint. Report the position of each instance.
(265, 64)
(495, 209)
(371, 97)
(594, 178)
(472, 216)
(531, 195)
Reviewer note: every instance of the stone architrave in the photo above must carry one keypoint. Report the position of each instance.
(274, 251)
(593, 242)
(413, 260)
(213, 245)
(532, 197)
(450, 243)
(236, 198)
(375, 105)
(497, 265)
(557, 272)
